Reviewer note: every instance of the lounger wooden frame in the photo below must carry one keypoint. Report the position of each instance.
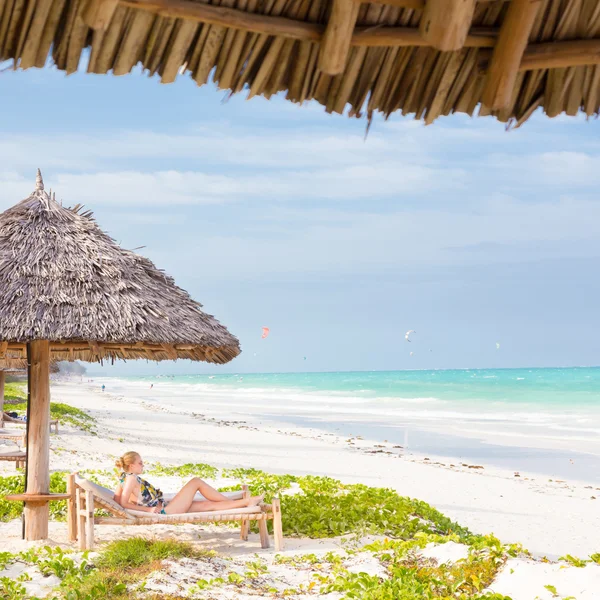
(81, 519)
(18, 457)
(4, 419)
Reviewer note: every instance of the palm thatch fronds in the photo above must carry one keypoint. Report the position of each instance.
(422, 57)
(14, 365)
(64, 280)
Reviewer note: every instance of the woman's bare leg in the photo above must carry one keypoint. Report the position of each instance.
(185, 498)
(209, 492)
(208, 505)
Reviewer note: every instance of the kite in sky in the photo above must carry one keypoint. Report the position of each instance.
(265, 332)
(407, 335)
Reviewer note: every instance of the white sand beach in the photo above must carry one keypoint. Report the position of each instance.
(551, 518)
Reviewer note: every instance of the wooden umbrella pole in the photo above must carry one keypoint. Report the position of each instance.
(27, 411)
(2, 380)
(38, 439)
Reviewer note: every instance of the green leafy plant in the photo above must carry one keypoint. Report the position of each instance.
(58, 410)
(135, 552)
(14, 484)
(188, 470)
(11, 589)
(56, 561)
(6, 558)
(574, 561)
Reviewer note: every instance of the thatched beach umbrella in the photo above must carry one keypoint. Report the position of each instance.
(68, 292)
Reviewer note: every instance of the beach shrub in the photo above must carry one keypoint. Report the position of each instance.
(135, 552)
(73, 416)
(188, 470)
(15, 392)
(11, 589)
(15, 484)
(6, 558)
(413, 577)
(326, 507)
(58, 410)
(574, 561)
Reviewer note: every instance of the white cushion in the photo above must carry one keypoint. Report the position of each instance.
(230, 511)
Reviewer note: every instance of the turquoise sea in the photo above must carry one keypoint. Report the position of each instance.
(556, 386)
(539, 419)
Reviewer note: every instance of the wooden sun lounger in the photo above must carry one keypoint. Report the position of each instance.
(6, 419)
(17, 456)
(85, 496)
(14, 435)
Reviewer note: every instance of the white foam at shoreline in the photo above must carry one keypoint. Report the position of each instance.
(504, 424)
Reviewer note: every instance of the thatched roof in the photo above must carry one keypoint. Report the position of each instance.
(422, 57)
(63, 279)
(17, 365)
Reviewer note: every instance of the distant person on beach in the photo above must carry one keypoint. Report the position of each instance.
(136, 493)
(103, 387)
(151, 385)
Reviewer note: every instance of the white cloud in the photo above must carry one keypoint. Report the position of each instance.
(502, 231)
(167, 188)
(407, 196)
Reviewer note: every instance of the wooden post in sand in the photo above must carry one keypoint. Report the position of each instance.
(38, 442)
(72, 515)
(245, 524)
(2, 380)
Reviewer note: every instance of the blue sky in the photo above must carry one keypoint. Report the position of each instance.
(276, 215)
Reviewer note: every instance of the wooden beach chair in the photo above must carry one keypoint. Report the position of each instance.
(86, 495)
(4, 418)
(14, 435)
(17, 456)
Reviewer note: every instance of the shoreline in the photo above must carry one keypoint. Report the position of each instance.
(498, 445)
(550, 518)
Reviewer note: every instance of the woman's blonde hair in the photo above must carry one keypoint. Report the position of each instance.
(127, 459)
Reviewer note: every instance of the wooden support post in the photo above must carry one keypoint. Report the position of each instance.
(72, 508)
(445, 24)
(89, 520)
(2, 380)
(264, 533)
(99, 13)
(508, 53)
(38, 442)
(245, 528)
(277, 525)
(335, 45)
(80, 502)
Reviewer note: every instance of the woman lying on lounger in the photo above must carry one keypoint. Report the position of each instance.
(136, 493)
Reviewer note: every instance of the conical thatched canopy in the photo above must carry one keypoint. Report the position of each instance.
(64, 280)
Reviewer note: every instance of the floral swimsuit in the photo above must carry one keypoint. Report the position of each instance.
(150, 496)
